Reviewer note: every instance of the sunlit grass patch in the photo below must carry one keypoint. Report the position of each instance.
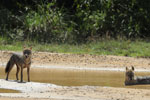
(102, 47)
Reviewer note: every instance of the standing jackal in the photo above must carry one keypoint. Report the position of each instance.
(131, 79)
(21, 61)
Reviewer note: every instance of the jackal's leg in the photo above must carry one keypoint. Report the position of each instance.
(21, 74)
(18, 69)
(7, 76)
(28, 72)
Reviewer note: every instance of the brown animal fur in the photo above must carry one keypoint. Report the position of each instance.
(21, 61)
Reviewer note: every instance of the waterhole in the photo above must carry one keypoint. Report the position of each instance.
(70, 77)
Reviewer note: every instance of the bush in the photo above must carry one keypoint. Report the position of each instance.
(74, 21)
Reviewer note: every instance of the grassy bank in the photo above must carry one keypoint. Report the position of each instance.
(105, 47)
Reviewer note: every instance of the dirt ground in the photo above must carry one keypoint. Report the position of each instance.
(84, 61)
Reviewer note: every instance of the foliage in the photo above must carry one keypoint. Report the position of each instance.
(74, 21)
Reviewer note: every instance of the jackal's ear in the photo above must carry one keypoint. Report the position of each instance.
(127, 69)
(133, 68)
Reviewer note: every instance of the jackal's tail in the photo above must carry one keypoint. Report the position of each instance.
(9, 65)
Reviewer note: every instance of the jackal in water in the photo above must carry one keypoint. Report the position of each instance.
(131, 79)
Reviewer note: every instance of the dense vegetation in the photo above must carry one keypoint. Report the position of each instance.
(74, 21)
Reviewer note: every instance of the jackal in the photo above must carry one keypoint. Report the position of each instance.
(21, 61)
(131, 79)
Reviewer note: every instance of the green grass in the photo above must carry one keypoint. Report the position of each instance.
(106, 47)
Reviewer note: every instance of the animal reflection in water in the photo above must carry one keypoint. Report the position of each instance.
(131, 79)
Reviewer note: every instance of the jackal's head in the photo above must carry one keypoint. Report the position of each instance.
(129, 74)
(27, 52)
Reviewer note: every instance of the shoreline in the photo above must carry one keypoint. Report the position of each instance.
(82, 68)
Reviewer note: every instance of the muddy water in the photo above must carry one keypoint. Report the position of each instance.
(77, 77)
(8, 91)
